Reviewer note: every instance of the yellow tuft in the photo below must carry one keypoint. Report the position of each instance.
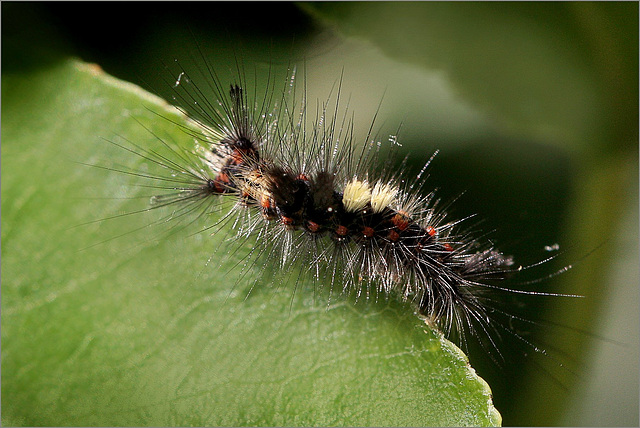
(382, 196)
(356, 195)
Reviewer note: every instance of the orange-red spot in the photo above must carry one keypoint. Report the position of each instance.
(447, 247)
(312, 226)
(400, 221)
(302, 177)
(265, 203)
(287, 221)
(342, 230)
(393, 235)
(223, 178)
(367, 231)
(218, 186)
(430, 230)
(237, 157)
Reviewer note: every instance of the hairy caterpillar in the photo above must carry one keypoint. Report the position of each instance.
(315, 197)
(208, 174)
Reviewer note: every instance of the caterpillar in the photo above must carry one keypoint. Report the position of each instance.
(314, 197)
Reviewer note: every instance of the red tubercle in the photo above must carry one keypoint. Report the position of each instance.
(342, 231)
(239, 155)
(221, 183)
(430, 230)
(223, 177)
(368, 232)
(236, 157)
(312, 226)
(219, 188)
(265, 203)
(400, 221)
(393, 235)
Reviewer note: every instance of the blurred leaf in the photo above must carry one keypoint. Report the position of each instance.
(559, 72)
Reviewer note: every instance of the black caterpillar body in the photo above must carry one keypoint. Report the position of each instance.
(309, 198)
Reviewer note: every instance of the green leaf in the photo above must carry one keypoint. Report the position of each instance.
(142, 330)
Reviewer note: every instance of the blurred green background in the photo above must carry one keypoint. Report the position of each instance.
(533, 106)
